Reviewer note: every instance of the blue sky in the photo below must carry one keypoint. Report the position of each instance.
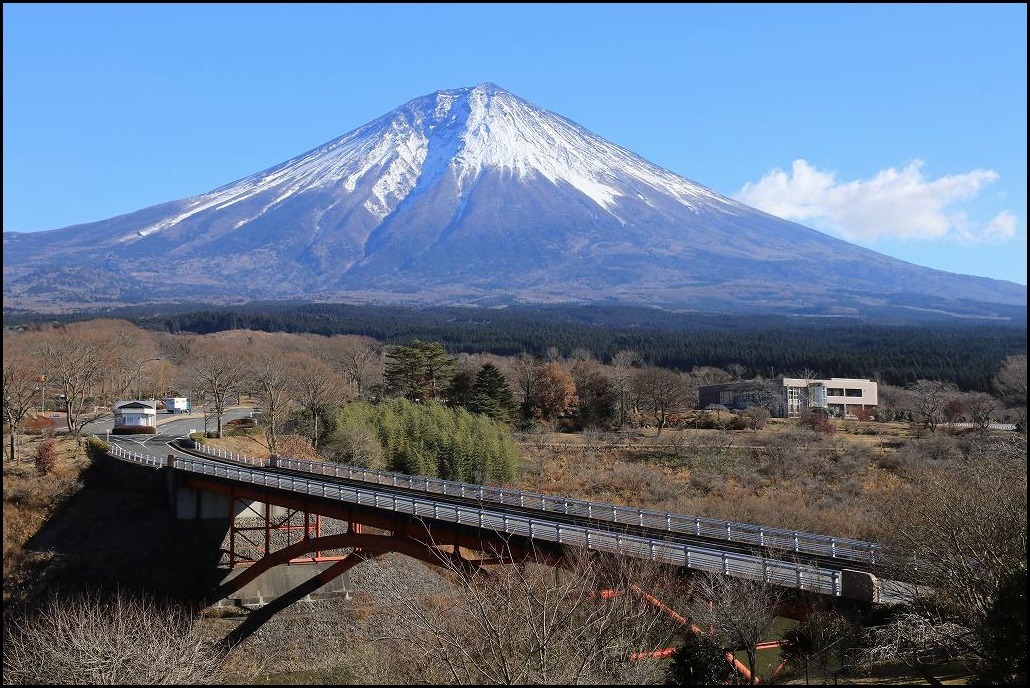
(900, 127)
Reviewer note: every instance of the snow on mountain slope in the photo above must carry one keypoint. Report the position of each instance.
(461, 133)
(469, 195)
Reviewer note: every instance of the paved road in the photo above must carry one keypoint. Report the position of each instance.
(170, 426)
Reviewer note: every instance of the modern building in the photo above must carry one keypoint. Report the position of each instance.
(839, 396)
(135, 417)
(788, 397)
(740, 394)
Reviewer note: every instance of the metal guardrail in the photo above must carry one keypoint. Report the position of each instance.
(776, 571)
(730, 531)
(792, 574)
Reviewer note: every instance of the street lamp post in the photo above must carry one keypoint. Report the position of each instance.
(139, 377)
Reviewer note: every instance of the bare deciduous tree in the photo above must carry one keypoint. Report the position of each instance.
(823, 641)
(21, 380)
(980, 408)
(920, 640)
(274, 372)
(953, 410)
(316, 387)
(93, 640)
(964, 544)
(530, 623)
(358, 359)
(739, 611)
(895, 402)
(755, 417)
(219, 370)
(953, 546)
(623, 364)
(527, 370)
(930, 397)
(1010, 382)
(178, 348)
(660, 392)
(78, 359)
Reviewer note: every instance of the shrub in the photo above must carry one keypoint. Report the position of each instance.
(39, 425)
(46, 457)
(737, 423)
(863, 414)
(90, 639)
(698, 661)
(134, 430)
(96, 446)
(819, 422)
(756, 417)
(296, 447)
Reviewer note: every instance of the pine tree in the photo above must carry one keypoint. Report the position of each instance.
(491, 394)
(459, 392)
(421, 371)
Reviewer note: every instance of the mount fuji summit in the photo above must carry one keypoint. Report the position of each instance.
(474, 196)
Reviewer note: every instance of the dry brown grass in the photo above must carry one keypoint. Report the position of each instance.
(825, 484)
(249, 442)
(829, 486)
(30, 498)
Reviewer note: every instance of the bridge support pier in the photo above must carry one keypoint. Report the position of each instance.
(280, 580)
(859, 585)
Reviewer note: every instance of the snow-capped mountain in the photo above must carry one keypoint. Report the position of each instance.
(471, 196)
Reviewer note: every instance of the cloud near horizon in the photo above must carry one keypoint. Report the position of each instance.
(895, 204)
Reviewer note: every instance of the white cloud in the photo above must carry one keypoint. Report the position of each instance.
(899, 204)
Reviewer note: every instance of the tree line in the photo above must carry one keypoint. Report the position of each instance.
(897, 353)
(303, 381)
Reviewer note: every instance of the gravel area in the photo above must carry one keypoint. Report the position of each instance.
(333, 639)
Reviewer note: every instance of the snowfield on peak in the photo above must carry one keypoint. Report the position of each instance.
(459, 132)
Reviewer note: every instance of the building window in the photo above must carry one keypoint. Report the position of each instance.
(834, 391)
(856, 393)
